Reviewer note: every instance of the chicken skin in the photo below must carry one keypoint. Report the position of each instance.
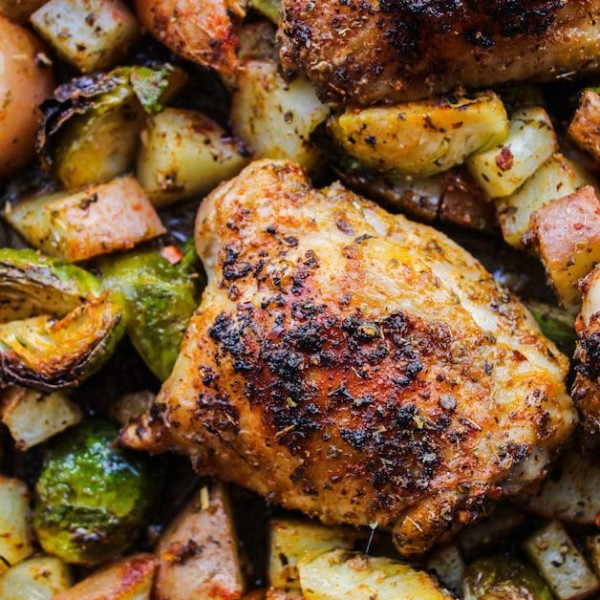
(354, 365)
(586, 389)
(385, 51)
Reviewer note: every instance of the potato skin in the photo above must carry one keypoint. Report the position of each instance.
(199, 30)
(24, 83)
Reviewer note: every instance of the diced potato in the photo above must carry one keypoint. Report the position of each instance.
(585, 127)
(276, 118)
(128, 579)
(78, 225)
(556, 178)
(572, 494)
(36, 579)
(15, 528)
(448, 566)
(292, 540)
(19, 10)
(92, 35)
(341, 575)
(552, 551)
(185, 154)
(421, 138)
(504, 168)
(33, 417)
(198, 552)
(130, 406)
(566, 235)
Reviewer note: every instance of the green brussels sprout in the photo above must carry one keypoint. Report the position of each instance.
(91, 498)
(556, 323)
(503, 578)
(90, 132)
(160, 299)
(268, 8)
(57, 325)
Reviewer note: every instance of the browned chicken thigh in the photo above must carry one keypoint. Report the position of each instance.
(383, 51)
(355, 365)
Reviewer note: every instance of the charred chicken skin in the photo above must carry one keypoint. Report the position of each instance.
(386, 51)
(354, 365)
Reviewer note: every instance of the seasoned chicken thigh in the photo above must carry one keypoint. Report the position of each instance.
(390, 50)
(354, 365)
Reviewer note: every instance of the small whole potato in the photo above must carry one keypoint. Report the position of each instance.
(24, 83)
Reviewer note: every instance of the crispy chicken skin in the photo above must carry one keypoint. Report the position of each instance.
(355, 365)
(392, 50)
(586, 389)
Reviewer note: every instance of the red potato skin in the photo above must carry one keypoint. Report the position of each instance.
(199, 30)
(24, 83)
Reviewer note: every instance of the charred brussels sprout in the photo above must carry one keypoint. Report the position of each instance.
(57, 325)
(503, 578)
(90, 131)
(160, 298)
(91, 499)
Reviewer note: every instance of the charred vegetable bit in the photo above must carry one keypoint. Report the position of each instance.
(160, 298)
(90, 132)
(503, 578)
(57, 325)
(91, 499)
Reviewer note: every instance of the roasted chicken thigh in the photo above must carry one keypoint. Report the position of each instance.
(389, 50)
(354, 365)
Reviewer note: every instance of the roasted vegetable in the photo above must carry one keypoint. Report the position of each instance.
(185, 154)
(421, 138)
(160, 298)
(90, 132)
(38, 578)
(556, 323)
(274, 117)
(57, 325)
(129, 579)
(571, 493)
(556, 178)
(199, 552)
(92, 35)
(553, 552)
(129, 406)
(504, 168)
(16, 539)
(566, 236)
(503, 578)
(585, 127)
(448, 565)
(268, 8)
(24, 83)
(341, 575)
(91, 499)
(292, 541)
(33, 417)
(79, 225)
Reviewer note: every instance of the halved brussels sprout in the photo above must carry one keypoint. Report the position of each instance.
(90, 132)
(503, 578)
(91, 498)
(57, 325)
(160, 298)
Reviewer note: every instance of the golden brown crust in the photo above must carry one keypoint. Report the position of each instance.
(355, 365)
(389, 50)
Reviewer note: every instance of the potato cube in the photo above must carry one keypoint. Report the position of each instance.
(566, 234)
(585, 127)
(92, 35)
(78, 225)
(37, 578)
